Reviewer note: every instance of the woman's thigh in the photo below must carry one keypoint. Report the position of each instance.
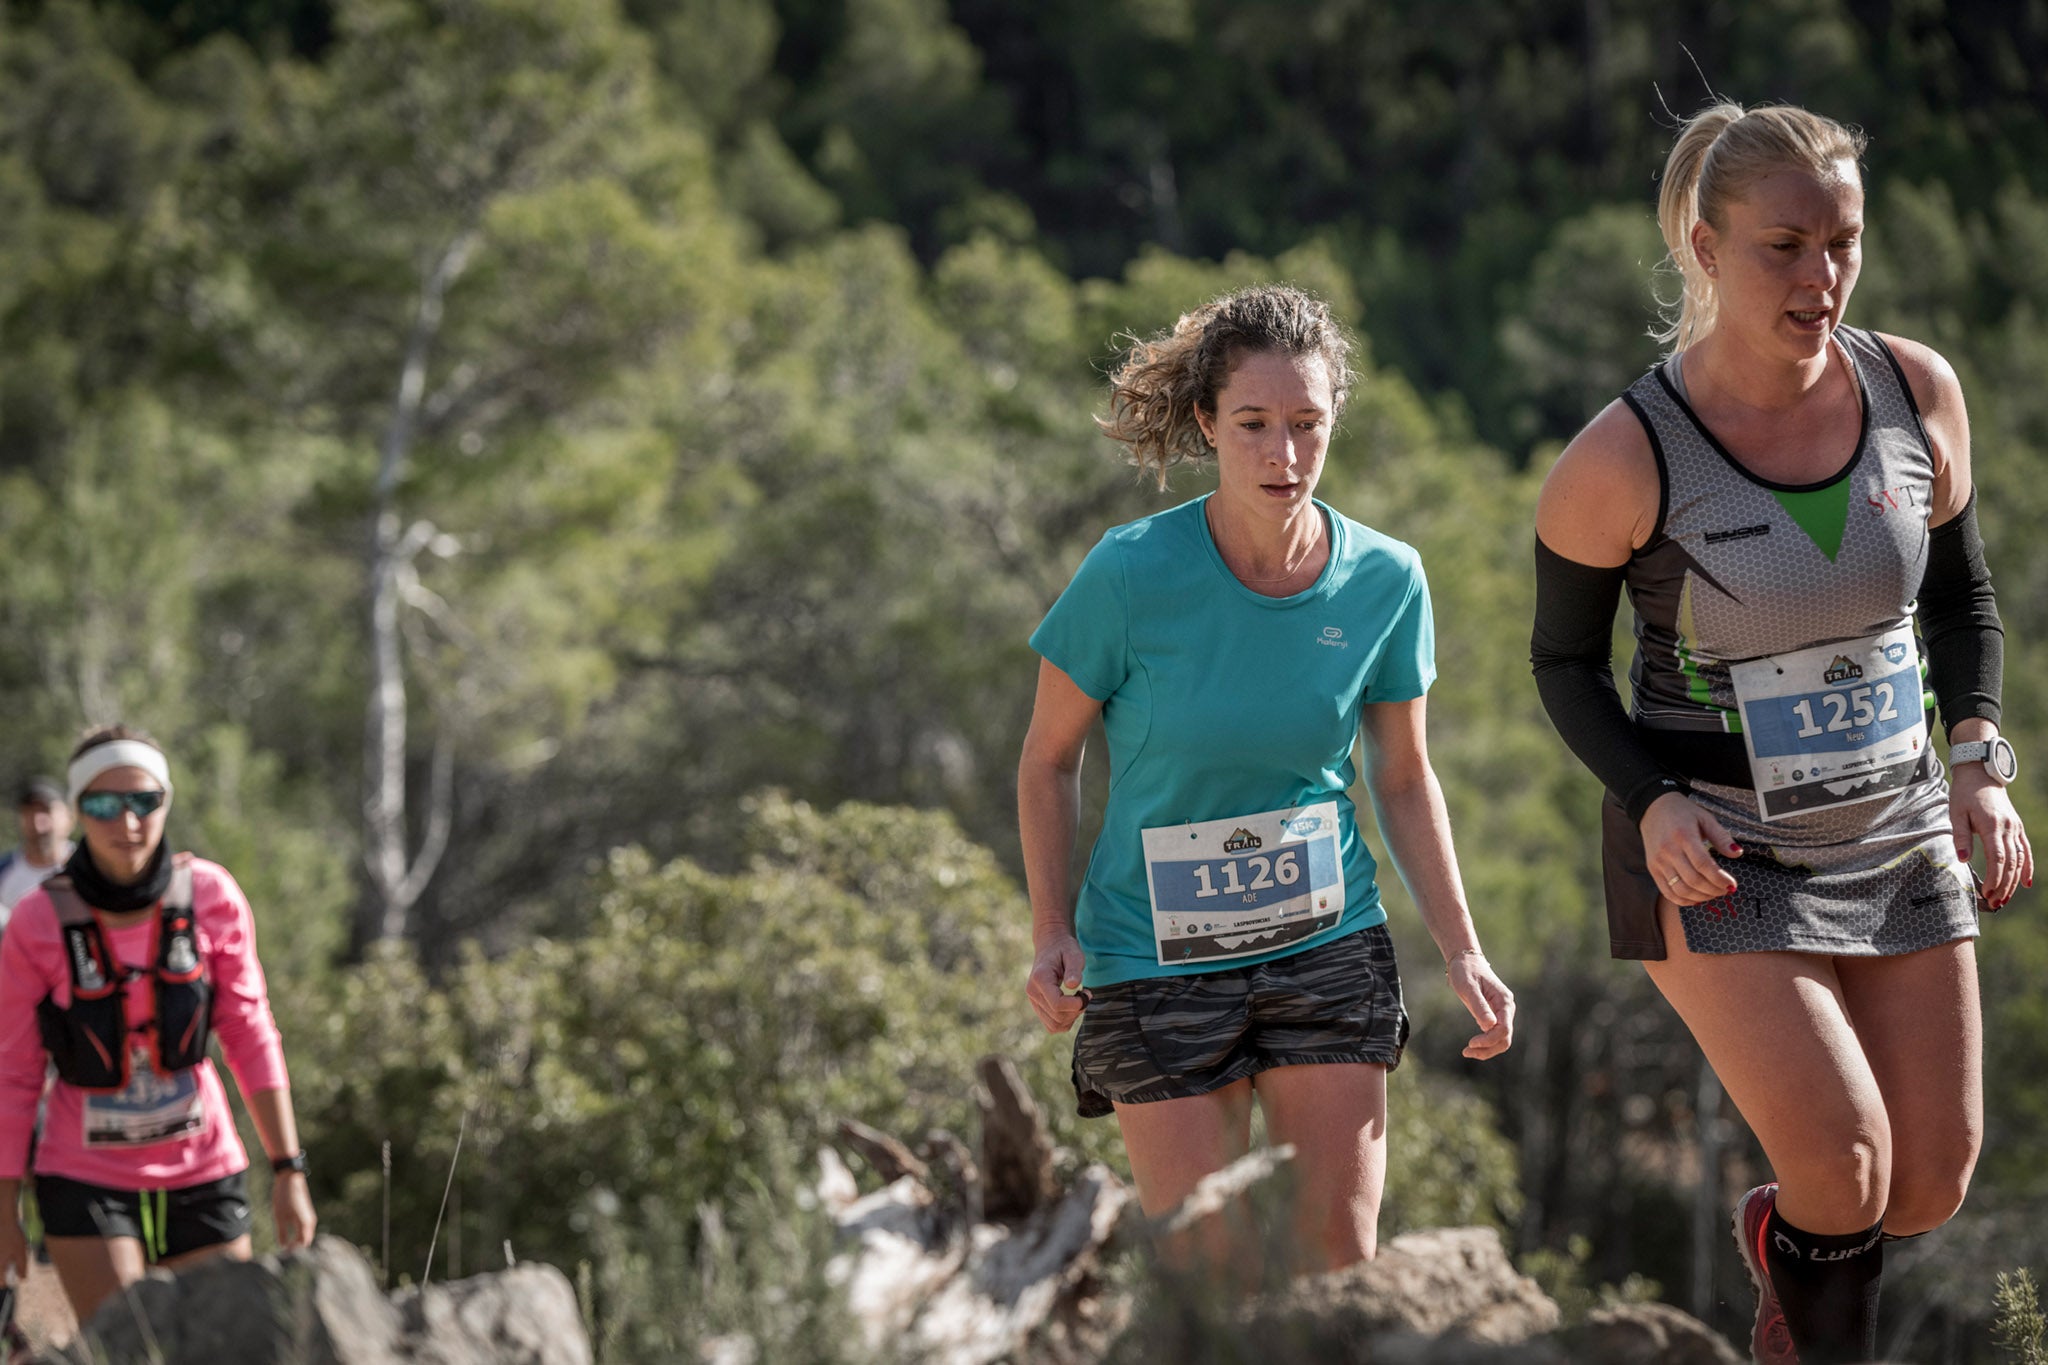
(1918, 1019)
(93, 1269)
(1778, 1033)
(240, 1249)
(1335, 1118)
(1171, 1145)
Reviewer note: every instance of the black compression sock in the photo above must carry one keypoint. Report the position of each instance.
(1827, 1284)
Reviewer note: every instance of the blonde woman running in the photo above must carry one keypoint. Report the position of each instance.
(1781, 846)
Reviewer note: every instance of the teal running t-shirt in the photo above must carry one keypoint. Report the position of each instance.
(1220, 703)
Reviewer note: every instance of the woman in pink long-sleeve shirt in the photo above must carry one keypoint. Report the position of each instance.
(138, 1162)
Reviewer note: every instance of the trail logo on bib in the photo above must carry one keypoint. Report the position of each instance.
(1244, 885)
(1846, 718)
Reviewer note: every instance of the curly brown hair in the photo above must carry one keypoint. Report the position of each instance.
(1166, 379)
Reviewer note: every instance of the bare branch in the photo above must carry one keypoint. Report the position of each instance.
(1214, 1192)
(412, 375)
(890, 1159)
(440, 813)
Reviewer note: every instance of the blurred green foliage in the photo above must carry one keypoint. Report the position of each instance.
(636, 1090)
(755, 438)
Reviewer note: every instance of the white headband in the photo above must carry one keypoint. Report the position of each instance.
(119, 753)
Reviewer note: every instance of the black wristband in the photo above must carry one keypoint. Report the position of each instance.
(295, 1162)
(1638, 801)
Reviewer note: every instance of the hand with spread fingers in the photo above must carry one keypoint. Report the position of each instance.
(1679, 844)
(1981, 811)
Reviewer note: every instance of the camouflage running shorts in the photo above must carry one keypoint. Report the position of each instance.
(1166, 1037)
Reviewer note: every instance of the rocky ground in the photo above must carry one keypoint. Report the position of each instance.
(976, 1258)
(962, 1256)
(320, 1307)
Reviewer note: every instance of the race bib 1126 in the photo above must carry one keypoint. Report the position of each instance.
(1244, 885)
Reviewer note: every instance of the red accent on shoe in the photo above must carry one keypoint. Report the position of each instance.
(1770, 1340)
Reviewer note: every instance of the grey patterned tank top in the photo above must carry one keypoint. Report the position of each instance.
(1739, 567)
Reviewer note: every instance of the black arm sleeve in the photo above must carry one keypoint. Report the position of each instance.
(1959, 620)
(1572, 653)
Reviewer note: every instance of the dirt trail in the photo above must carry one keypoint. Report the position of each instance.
(43, 1311)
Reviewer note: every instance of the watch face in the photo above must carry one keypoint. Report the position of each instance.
(2001, 761)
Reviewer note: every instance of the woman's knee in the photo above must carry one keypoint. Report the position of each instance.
(1330, 1234)
(1835, 1185)
(1927, 1189)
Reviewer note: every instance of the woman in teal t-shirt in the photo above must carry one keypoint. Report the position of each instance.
(1228, 935)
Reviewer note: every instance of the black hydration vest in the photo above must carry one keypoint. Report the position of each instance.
(88, 1041)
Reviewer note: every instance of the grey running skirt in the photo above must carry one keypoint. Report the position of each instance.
(1876, 879)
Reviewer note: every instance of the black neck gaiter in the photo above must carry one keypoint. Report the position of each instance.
(102, 893)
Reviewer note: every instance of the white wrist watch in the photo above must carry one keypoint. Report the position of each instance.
(1995, 754)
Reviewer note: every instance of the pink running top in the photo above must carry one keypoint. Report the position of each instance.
(120, 1140)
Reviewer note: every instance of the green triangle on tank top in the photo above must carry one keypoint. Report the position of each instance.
(1823, 513)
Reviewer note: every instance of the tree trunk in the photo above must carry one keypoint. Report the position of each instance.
(1708, 1211)
(396, 878)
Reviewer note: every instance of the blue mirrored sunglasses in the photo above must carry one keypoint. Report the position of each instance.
(109, 805)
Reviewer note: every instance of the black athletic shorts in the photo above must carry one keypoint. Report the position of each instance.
(167, 1222)
(1167, 1037)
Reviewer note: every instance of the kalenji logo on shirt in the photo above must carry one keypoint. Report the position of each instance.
(1334, 638)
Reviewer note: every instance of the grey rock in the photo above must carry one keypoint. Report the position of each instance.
(527, 1315)
(1446, 1282)
(1650, 1334)
(322, 1307)
(1446, 1297)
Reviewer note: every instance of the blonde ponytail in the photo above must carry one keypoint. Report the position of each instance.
(1719, 153)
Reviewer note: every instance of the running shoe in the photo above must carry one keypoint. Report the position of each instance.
(1770, 1340)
